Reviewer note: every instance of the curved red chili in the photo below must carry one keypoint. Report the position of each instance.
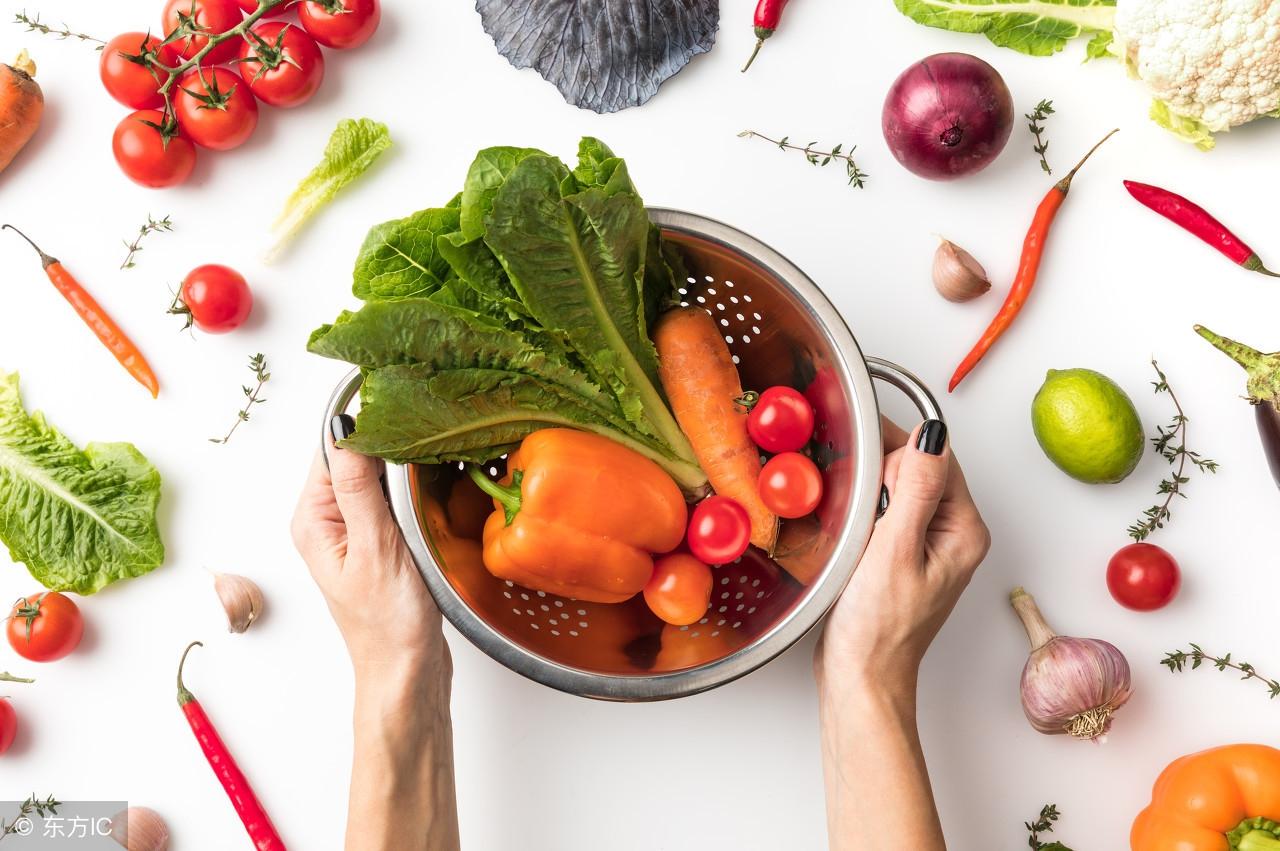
(1195, 219)
(768, 15)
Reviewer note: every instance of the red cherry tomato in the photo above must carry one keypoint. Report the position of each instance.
(143, 156)
(215, 298)
(212, 17)
(790, 485)
(45, 626)
(128, 79)
(719, 530)
(781, 420)
(8, 724)
(340, 24)
(679, 590)
(215, 108)
(251, 6)
(1143, 577)
(281, 64)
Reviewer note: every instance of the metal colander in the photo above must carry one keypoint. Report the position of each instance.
(781, 330)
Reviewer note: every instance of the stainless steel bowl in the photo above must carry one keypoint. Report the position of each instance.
(782, 330)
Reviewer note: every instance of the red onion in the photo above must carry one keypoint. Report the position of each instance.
(948, 115)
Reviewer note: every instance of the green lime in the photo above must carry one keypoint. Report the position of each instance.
(1087, 425)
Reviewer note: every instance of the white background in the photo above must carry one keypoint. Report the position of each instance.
(739, 767)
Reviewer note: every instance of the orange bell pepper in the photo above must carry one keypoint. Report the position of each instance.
(579, 515)
(1223, 799)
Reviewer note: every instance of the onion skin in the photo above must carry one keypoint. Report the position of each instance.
(947, 116)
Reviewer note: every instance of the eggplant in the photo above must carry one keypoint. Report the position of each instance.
(1264, 391)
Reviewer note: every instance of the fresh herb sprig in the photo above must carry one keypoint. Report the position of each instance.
(47, 807)
(7, 677)
(1036, 118)
(33, 24)
(1048, 815)
(1171, 444)
(258, 364)
(857, 177)
(1177, 660)
(152, 226)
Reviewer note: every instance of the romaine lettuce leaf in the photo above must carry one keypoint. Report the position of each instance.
(1034, 27)
(399, 258)
(488, 171)
(79, 519)
(1187, 129)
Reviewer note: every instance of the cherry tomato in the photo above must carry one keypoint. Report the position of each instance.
(790, 485)
(781, 420)
(1143, 577)
(281, 64)
(143, 155)
(8, 724)
(213, 17)
(679, 590)
(215, 108)
(340, 24)
(45, 626)
(719, 530)
(251, 6)
(215, 298)
(128, 79)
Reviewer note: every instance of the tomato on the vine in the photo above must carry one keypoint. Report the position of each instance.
(1143, 577)
(215, 108)
(251, 6)
(45, 626)
(212, 17)
(790, 485)
(143, 155)
(128, 77)
(340, 24)
(719, 530)
(215, 298)
(781, 420)
(8, 724)
(679, 590)
(281, 64)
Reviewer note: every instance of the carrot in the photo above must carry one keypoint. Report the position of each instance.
(702, 384)
(21, 105)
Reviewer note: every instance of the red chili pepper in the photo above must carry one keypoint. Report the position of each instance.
(107, 331)
(1032, 251)
(255, 818)
(768, 14)
(1195, 219)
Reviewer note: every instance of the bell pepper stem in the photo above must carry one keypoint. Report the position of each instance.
(1258, 840)
(507, 495)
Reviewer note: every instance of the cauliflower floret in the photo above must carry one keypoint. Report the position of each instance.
(1210, 64)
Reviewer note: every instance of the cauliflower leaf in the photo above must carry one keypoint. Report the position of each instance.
(1185, 128)
(1033, 27)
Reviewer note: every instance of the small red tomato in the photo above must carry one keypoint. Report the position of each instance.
(781, 420)
(215, 108)
(281, 64)
(719, 530)
(143, 156)
(45, 626)
(1143, 577)
(8, 724)
(207, 17)
(679, 590)
(340, 24)
(251, 6)
(127, 76)
(790, 485)
(215, 298)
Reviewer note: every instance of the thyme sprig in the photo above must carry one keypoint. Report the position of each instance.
(1171, 444)
(32, 804)
(33, 24)
(1036, 118)
(7, 677)
(258, 364)
(1177, 660)
(152, 226)
(857, 177)
(1048, 815)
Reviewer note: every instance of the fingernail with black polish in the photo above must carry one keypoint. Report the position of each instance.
(341, 427)
(884, 501)
(933, 437)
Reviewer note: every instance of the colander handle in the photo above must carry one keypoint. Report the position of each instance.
(891, 373)
(338, 403)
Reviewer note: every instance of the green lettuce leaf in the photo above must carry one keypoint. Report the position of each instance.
(352, 148)
(78, 519)
(1034, 27)
(488, 171)
(399, 258)
(1185, 128)
(1100, 46)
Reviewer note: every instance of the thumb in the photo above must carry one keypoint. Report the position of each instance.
(921, 480)
(356, 487)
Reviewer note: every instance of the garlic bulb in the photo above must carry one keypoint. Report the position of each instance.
(1069, 685)
(956, 275)
(240, 597)
(140, 829)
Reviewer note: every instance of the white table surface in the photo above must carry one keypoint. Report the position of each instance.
(739, 767)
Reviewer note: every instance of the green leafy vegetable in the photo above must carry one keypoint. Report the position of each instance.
(352, 148)
(78, 519)
(399, 258)
(1034, 27)
(1187, 129)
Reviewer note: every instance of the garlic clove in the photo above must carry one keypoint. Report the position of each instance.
(140, 829)
(241, 599)
(956, 274)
